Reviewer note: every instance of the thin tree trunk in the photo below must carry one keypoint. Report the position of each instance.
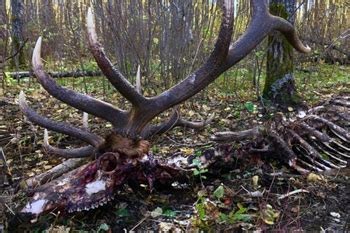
(17, 34)
(3, 40)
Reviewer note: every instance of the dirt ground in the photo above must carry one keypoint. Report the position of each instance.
(253, 188)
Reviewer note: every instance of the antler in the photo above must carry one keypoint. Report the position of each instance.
(261, 25)
(82, 102)
(113, 75)
(224, 56)
(135, 123)
(175, 121)
(64, 128)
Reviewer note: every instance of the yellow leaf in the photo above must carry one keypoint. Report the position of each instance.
(313, 178)
(205, 108)
(191, 113)
(30, 174)
(47, 167)
(187, 151)
(255, 180)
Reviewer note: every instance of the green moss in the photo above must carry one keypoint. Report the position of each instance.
(279, 9)
(279, 63)
(16, 44)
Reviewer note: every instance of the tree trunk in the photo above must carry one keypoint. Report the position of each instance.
(3, 38)
(17, 34)
(280, 83)
(3, 29)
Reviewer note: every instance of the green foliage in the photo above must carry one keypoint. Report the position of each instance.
(199, 171)
(103, 228)
(91, 66)
(240, 215)
(9, 80)
(155, 149)
(250, 106)
(122, 212)
(200, 208)
(169, 213)
(234, 216)
(269, 215)
(219, 192)
(165, 212)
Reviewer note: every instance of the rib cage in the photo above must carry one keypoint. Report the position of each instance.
(316, 140)
(327, 144)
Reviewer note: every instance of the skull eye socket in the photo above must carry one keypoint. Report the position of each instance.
(108, 162)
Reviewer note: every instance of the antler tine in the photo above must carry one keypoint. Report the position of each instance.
(162, 127)
(113, 75)
(81, 152)
(262, 23)
(195, 124)
(174, 121)
(60, 127)
(290, 34)
(83, 102)
(207, 73)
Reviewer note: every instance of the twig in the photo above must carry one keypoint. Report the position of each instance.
(3, 158)
(292, 193)
(12, 212)
(17, 52)
(5, 165)
(139, 223)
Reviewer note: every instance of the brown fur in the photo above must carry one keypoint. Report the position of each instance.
(133, 149)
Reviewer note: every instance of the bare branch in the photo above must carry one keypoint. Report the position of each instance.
(83, 102)
(113, 75)
(64, 128)
(54, 172)
(18, 51)
(237, 136)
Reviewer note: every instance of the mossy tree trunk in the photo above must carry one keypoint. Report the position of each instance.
(280, 84)
(19, 61)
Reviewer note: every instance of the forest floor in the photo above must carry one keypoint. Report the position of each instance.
(247, 197)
